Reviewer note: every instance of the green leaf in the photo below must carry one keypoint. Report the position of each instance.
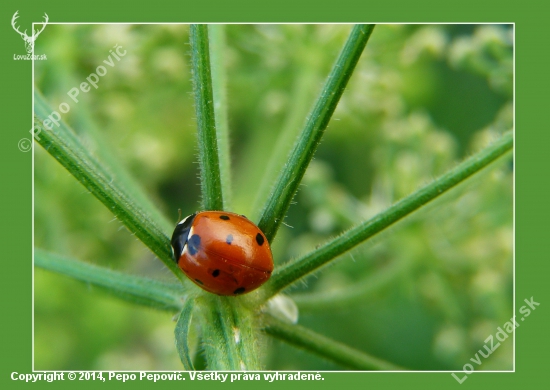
(290, 177)
(182, 334)
(209, 162)
(323, 346)
(134, 289)
(297, 269)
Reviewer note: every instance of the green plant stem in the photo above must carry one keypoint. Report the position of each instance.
(212, 198)
(229, 339)
(219, 84)
(41, 111)
(290, 177)
(120, 174)
(181, 332)
(61, 144)
(299, 268)
(323, 346)
(134, 289)
(244, 322)
(85, 126)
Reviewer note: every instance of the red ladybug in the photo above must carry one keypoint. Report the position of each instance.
(222, 252)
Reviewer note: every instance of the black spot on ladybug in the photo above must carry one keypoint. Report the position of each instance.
(259, 239)
(216, 273)
(269, 272)
(193, 244)
(238, 291)
(224, 217)
(198, 281)
(229, 239)
(244, 216)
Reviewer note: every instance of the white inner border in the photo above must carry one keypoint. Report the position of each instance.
(347, 23)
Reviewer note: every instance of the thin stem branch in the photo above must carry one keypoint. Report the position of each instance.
(297, 269)
(212, 198)
(290, 177)
(134, 289)
(86, 127)
(219, 85)
(327, 348)
(228, 344)
(64, 146)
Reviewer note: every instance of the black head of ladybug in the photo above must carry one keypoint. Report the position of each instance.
(180, 236)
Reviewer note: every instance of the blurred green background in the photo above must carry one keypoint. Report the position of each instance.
(425, 294)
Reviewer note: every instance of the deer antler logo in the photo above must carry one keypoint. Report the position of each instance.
(29, 41)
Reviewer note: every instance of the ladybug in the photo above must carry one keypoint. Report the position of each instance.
(223, 253)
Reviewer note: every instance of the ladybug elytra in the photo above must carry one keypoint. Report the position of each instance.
(223, 253)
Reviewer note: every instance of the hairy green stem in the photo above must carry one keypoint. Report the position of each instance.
(86, 127)
(64, 146)
(297, 269)
(219, 83)
(228, 344)
(229, 335)
(134, 289)
(212, 198)
(290, 177)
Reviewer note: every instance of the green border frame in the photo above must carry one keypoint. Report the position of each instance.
(531, 101)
